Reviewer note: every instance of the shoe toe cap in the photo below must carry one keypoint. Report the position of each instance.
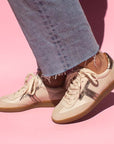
(62, 114)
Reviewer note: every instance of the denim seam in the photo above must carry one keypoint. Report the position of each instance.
(56, 40)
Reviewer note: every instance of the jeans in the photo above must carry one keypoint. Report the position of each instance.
(57, 31)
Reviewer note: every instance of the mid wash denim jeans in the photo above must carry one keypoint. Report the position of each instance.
(57, 32)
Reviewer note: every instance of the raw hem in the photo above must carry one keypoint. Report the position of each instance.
(64, 72)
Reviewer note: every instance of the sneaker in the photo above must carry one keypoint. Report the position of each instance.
(33, 94)
(85, 91)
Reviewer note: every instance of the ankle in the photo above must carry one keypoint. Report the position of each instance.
(98, 63)
(54, 81)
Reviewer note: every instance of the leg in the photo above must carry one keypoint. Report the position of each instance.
(57, 44)
(57, 31)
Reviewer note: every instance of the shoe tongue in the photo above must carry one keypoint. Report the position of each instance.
(73, 75)
(69, 78)
(86, 70)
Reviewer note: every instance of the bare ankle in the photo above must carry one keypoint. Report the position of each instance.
(98, 63)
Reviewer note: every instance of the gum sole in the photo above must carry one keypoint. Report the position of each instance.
(42, 104)
(100, 98)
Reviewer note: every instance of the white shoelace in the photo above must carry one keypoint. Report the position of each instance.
(75, 87)
(32, 82)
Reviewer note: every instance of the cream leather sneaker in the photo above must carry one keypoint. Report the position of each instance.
(33, 94)
(85, 91)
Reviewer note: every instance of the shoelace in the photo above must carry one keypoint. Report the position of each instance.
(75, 87)
(32, 82)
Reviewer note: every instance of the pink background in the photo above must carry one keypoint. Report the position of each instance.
(35, 126)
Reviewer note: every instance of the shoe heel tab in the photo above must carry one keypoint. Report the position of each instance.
(110, 61)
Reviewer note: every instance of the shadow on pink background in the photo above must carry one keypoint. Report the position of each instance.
(17, 60)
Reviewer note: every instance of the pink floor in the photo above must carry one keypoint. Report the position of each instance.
(35, 126)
